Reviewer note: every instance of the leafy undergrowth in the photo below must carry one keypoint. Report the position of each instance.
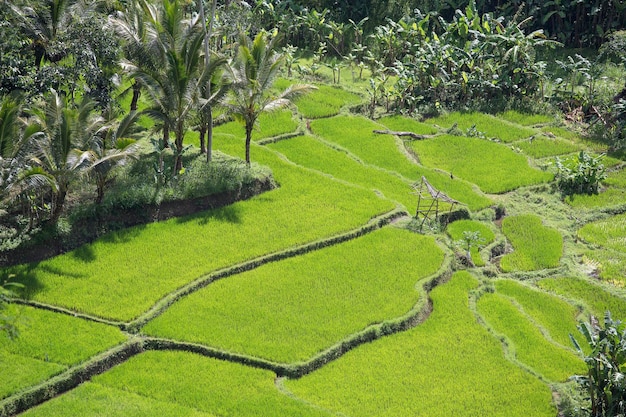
(609, 252)
(121, 275)
(535, 246)
(47, 344)
(175, 384)
(527, 344)
(356, 135)
(495, 168)
(291, 310)
(492, 127)
(486, 236)
(595, 298)
(415, 372)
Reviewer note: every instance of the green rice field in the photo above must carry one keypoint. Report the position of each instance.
(325, 296)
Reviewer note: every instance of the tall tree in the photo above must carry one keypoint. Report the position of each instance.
(254, 70)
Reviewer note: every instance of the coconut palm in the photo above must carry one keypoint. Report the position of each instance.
(212, 93)
(173, 72)
(60, 133)
(254, 70)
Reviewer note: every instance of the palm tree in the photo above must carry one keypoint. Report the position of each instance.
(212, 93)
(173, 71)
(254, 70)
(110, 147)
(43, 26)
(59, 133)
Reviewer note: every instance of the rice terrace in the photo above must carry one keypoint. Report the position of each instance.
(328, 209)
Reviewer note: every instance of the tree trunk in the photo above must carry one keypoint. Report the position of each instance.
(203, 130)
(166, 136)
(209, 151)
(248, 141)
(136, 94)
(59, 201)
(180, 135)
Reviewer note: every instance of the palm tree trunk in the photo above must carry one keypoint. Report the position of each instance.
(249, 127)
(203, 130)
(136, 94)
(209, 150)
(59, 201)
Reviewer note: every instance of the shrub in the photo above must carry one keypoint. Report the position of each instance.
(581, 174)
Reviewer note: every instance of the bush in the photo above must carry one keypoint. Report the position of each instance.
(581, 174)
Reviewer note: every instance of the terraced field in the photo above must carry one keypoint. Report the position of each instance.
(319, 298)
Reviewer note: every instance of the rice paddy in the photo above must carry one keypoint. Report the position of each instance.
(535, 246)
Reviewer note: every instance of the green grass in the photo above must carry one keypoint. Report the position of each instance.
(535, 246)
(494, 167)
(594, 297)
(270, 124)
(18, 372)
(356, 135)
(528, 344)
(291, 310)
(123, 274)
(311, 153)
(406, 124)
(47, 344)
(543, 147)
(613, 195)
(525, 119)
(175, 384)
(551, 313)
(455, 231)
(326, 101)
(610, 235)
(491, 126)
(449, 365)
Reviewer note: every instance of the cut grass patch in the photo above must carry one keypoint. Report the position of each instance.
(494, 167)
(356, 135)
(594, 297)
(406, 124)
(610, 234)
(123, 274)
(543, 147)
(310, 153)
(270, 124)
(526, 119)
(47, 344)
(415, 372)
(326, 101)
(491, 126)
(528, 344)
(555, 316)
(291, 310)
(178, 383)
(455, 231)
(535, 245)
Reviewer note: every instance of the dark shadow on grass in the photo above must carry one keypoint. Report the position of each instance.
(229, 214)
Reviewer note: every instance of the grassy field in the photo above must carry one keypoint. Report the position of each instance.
(543, 147)
(48, 343)
(356, 135)
(526, 342)
(596, 299)
(195, 386)
(491, 126)
(525, 119)
(455, 231)
(553, 315)
(415, 372)
(108, 278)
(291, 310)
(308, 152)
(326, 101)
(495, 168)
(535, 246)
(609, 252)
